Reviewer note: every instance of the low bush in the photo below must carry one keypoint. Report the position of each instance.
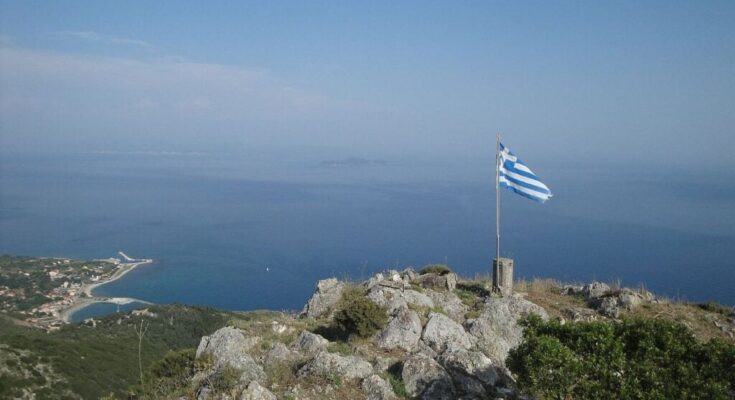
(636, 359)
(441, 269)
(358, 315)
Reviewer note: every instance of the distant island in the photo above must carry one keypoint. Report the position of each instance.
(352, 162)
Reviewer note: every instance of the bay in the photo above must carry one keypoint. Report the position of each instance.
(244, 233)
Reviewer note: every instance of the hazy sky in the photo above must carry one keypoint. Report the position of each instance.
(643, 80)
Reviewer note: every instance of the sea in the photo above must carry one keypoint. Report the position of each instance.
(257, 232)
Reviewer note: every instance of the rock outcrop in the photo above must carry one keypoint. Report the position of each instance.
(327, 365)
(426, 379)
(328, 292)
(309, 343)
(497, 330)
(403, 331)
(437, 281)
(376, 388)
(441, 333)
(428, 343)
(229, 348)
(472, 372)
(256, 392)
(607, 301)
(277, 353)
(393, 299)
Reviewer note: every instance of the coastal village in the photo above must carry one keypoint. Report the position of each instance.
(40, 290)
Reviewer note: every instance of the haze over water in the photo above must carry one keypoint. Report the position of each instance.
(194, 133)
(214, 223)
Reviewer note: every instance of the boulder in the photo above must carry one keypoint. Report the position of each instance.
(436, 281)
(309, 343)
(572, 289)
(374, 280)
(376, 388)
(630, 299)
(393, 299)
(328, 292)
(277, 353)
(425, 378)
(382, 364)
(256, 392)
(441, 332)
(409, 274)
(595, 290)
(328, 365)
(228, 348)
(403, 331)
(450, 303)
(497, 329)
(472, 371)
(417, 298)
(608, 306)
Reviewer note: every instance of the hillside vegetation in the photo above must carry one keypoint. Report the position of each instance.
(91, 360)
(430, 335)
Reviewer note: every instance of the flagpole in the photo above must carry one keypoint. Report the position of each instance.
(497, 198)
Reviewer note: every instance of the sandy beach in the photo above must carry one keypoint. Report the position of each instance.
(88, 290)
(123, 269)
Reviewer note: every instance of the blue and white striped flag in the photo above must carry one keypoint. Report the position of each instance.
(516, 176)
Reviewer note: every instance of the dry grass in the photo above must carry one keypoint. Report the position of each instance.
(700, 321)
(547, 293)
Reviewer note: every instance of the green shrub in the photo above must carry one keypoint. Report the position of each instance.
(356, 314)
(169, 375)
(635, 359)
(716, 308)
(441, 269)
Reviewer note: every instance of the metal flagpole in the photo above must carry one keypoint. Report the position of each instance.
(497, 199)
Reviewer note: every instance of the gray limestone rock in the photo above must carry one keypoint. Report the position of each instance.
(322, 302)
(376, 388)
(572, 289)
(409, 274)
(432, 280)
(471, 371)
(441, 332)
(309, 343)
(450, 303)
(256, 392)
(403, 331)
(580, 314)
(277, 353)
(608, 306)
(630, 299)
(393, 299)
(497, 329)
(228, 348)
(327, 365)
(382, 364)
(425, 378)
(595, 290)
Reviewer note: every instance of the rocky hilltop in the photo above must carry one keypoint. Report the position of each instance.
(441, 338)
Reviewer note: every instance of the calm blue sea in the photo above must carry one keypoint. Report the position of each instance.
(214, 223)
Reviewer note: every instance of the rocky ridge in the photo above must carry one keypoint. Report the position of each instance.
(445, 339)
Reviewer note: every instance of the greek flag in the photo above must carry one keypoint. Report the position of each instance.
(516, 176)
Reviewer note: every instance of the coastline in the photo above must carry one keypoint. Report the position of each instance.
(123, 269)
(82, 302)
